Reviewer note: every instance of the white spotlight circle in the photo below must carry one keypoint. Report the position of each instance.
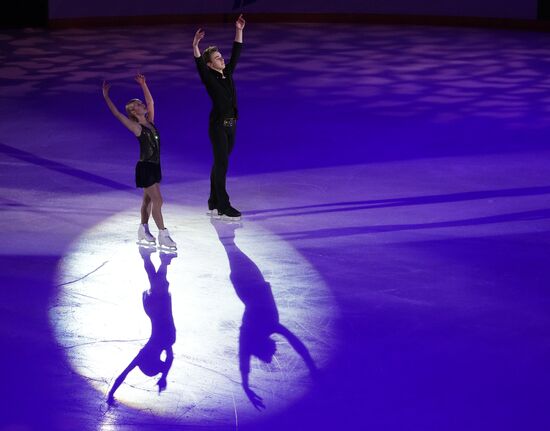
(223, 273)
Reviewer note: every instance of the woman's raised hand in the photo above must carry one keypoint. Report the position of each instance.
(105, 87)
(140, 79)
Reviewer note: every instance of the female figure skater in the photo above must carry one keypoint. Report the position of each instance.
(148, 171)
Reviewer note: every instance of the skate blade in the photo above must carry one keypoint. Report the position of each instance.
(145, 243)
(166, 249)
(230, 219)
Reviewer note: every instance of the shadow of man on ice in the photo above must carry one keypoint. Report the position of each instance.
(261, 317)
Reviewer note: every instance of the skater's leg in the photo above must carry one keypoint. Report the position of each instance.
(213, 199)
(145, 208)
(143, 231)
(220, 147)
(156, 204)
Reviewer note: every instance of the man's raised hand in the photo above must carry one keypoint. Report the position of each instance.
(198, 37)
(240, 23)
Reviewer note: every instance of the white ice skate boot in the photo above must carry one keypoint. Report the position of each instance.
(165, 241)
(144, 235)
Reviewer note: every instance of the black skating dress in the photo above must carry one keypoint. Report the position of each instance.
(148, 170)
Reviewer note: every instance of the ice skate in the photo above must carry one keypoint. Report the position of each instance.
(165, 242)
(230, 214)
(213, 213)
(144, 236)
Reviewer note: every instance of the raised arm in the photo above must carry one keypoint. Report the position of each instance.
(120, 379)
(168, 364)
(299, 347)
(134, 127)
(202, 68)
(140, 79)
(237, 44)
(239, 27)
(244, 367)
(198, 37)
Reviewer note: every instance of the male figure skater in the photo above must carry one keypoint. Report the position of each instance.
(218, 80)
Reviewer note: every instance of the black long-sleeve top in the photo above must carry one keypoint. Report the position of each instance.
(220, 87)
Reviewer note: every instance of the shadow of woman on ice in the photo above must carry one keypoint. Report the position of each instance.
(261, 317)
(157, 303)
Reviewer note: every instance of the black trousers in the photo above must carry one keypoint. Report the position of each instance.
(222, 139)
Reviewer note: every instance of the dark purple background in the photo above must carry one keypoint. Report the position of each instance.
(519, 9)
(407, 164)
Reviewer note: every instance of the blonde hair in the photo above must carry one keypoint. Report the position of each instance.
(129, 111)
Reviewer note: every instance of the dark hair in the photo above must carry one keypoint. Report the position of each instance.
(206, 54)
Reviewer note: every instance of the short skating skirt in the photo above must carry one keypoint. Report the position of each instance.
(147, 174)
